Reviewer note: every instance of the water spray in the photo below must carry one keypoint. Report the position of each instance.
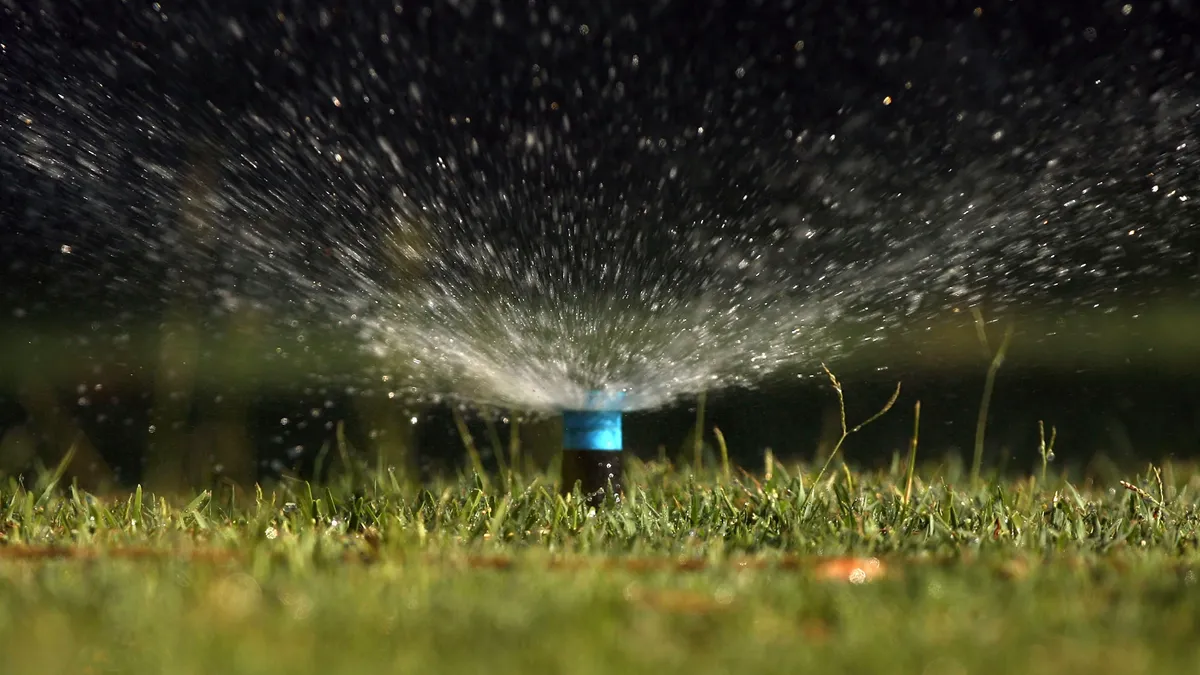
(592, 447)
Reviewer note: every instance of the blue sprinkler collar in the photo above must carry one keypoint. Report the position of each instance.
(598, 427)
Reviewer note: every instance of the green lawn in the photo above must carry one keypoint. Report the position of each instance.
(705, 575)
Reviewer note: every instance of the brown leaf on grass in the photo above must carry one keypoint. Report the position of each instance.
(1014, 568)
(31, 552)
(853, 570)
(490, 562)
(371, 551)
(365, 548)
(566, 564)
(675, 601)
(639, 565)
(815, 630)
(372, 538)
(790, 563)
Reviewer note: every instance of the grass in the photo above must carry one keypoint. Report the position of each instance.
(794, 569)
(689, 574)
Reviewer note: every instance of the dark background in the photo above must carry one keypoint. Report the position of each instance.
(103, 299)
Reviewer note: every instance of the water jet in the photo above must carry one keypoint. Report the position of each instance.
(466, 222)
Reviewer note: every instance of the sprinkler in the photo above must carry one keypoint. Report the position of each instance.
(592, 447)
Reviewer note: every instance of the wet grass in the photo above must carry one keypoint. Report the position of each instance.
(753, 573)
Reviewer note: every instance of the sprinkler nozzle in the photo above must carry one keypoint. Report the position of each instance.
(592, 446)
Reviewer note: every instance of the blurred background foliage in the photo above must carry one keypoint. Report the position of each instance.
(186, 403)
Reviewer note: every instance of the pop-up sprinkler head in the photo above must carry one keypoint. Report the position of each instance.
(592, 446)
